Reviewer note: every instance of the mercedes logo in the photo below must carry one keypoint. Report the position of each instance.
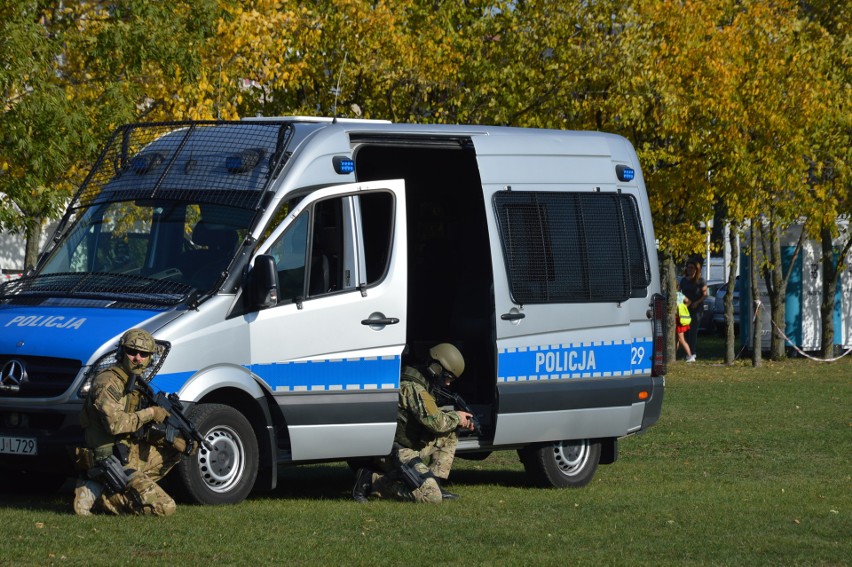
(14, 373)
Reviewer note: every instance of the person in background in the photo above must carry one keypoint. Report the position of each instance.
(695, 289)
(684, 319)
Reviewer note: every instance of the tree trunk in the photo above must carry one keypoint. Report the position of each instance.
(777, 296)
(829, 289)
(33, 246)
(756, 330)
(669, 285)
(730, 335)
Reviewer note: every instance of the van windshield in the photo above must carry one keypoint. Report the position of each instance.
(160, 248)
(161, 214)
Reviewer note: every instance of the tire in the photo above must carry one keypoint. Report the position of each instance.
(226, 474)
(561, 464)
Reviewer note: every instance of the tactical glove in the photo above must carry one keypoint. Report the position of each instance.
(158, 414)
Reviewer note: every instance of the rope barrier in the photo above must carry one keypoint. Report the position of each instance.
(758, 306)
(753, 319)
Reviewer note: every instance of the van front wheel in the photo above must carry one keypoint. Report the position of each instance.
(561, 464)
(224, 473)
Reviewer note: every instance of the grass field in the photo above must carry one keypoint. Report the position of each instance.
(746, 467)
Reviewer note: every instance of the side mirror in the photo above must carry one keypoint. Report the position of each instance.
(263, 282)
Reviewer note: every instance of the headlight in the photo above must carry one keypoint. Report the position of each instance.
(108, 360)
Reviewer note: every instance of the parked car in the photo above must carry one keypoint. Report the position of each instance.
(705, 324)
(719, 307)
(9, 275)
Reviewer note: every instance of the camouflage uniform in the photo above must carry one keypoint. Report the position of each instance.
(425, 431)
(111, 416)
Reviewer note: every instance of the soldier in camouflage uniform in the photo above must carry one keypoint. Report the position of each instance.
(110, 418)
(425, 442)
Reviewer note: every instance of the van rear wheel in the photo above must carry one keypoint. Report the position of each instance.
(224, 474)
(561, 464)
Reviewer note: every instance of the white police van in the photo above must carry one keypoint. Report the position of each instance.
(290, 266)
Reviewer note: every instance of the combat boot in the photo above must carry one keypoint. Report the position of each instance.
(445, 494)
(363, 484)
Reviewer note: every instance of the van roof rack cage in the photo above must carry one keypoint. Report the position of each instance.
(228, 162)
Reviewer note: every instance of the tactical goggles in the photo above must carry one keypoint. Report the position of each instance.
(136, 352)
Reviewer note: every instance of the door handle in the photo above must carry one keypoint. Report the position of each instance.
(380, 321)
(512, 316)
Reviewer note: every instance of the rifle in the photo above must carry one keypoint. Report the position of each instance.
(177, 422)
(446, 397)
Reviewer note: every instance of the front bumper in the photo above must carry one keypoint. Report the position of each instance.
(56, 432)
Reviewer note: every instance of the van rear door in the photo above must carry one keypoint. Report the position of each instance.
(566, 350)
(330, 349)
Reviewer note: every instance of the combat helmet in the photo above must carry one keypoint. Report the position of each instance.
(449, 357)
(140, 340)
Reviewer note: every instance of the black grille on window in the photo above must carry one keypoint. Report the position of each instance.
(230, 163)
(572, 247)
(46, 377)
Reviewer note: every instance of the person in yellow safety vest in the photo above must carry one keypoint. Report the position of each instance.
(684, 320)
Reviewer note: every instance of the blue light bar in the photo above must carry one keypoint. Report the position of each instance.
(343, 165)
(144, 163)
(244, 161)
(624, 173)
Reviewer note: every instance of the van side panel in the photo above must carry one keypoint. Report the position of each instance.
(566, 370)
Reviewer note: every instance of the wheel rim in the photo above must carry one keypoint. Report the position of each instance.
(222, 467)
(571, 457)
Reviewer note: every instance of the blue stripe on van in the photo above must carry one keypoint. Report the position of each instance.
(343, 374)
(368, 373)
(170, 382)
(598, 359)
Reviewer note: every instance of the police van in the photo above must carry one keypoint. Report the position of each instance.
(289, 267)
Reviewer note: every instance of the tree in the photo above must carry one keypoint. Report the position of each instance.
(715, 126)
(757, 320)
(830, 177)
(650, 87)
(777, 278)
(70, 73)
(40, 125)
(833, 264)
(733, 237)
(767, 110)
(348, 58)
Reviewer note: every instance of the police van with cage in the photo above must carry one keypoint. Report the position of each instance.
(290, 266)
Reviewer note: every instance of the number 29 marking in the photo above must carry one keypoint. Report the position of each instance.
(637, 355)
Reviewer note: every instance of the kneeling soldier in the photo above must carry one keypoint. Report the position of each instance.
(426, 440)
(125, 459)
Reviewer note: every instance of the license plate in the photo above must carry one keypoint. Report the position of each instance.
(18, 445)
